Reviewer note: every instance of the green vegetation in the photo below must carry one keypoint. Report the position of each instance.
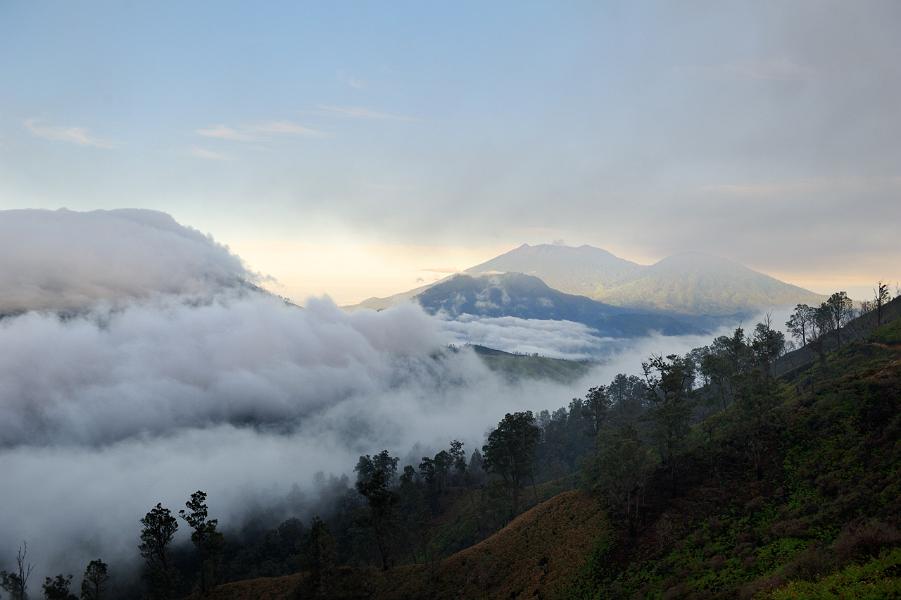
(529, 366)
(792, 492)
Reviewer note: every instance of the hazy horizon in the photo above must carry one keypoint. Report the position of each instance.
(359, 151)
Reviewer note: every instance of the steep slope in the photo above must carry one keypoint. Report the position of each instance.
(535, 556)
(527, 297)
(585, 270)
(821, 520)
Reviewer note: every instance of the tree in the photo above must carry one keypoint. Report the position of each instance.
(618, 472)
(628, 397)
(882, 296)
(16, 583)
(458, 455)
(57, 588)
(323, 558)
(668, 380)
(207, 540)
(159, 527)
(767, 344)
(801, 323)
(595, 408)
(375, 476)
(510, 451)
(95, 577)
(840, 309)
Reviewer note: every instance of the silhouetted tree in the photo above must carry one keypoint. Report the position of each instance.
(375, 476)
(801, 323)
(840, 310)
(16, 582)
(881, 298)
(510, 451)
(458, 455)
(595, 408)
(207, 540)
(95, 577)
(57, 588)
(767, 344)
(323, 558)
(159, 527)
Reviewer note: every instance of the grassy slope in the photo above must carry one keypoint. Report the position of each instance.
(536, 555)
(524, 559)
(524, 366)
(829, 501)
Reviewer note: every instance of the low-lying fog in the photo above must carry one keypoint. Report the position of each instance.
(135, 368)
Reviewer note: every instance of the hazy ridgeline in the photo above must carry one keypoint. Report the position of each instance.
(152, 368)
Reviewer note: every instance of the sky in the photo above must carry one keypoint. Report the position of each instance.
(363, 148)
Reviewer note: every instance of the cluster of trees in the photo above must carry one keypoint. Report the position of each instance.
(93, 584)
(158, 528)
(810, 324)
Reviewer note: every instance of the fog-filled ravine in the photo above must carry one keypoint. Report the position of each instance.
(140, 361)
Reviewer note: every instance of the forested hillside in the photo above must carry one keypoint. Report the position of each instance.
(708, 477)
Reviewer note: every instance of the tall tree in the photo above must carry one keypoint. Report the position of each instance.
(840, 310)
(510, 451)
(767, 345)
(595, 408)
(458, 455)
(375, 477)
(668, 380)
(207, 540)
(159, 527)
(95, 577)
(801, 323)
(881, 298)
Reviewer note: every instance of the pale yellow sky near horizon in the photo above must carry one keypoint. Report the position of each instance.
(349, 272)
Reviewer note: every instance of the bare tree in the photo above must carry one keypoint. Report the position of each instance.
(16, 583)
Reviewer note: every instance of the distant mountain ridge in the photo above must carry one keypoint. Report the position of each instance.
(688, 283)
(528, 297)
(692, 283)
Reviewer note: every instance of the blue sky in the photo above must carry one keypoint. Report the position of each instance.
(391, 142)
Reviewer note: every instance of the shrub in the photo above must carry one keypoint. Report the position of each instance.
(865, 539)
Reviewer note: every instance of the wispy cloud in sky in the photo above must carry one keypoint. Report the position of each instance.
(284, 128)
(73, 135)
(207, 154)
(359, 112)
(259, 131)
(223, 132)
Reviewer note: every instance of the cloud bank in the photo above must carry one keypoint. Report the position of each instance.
(136, 367)
(67, 260)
